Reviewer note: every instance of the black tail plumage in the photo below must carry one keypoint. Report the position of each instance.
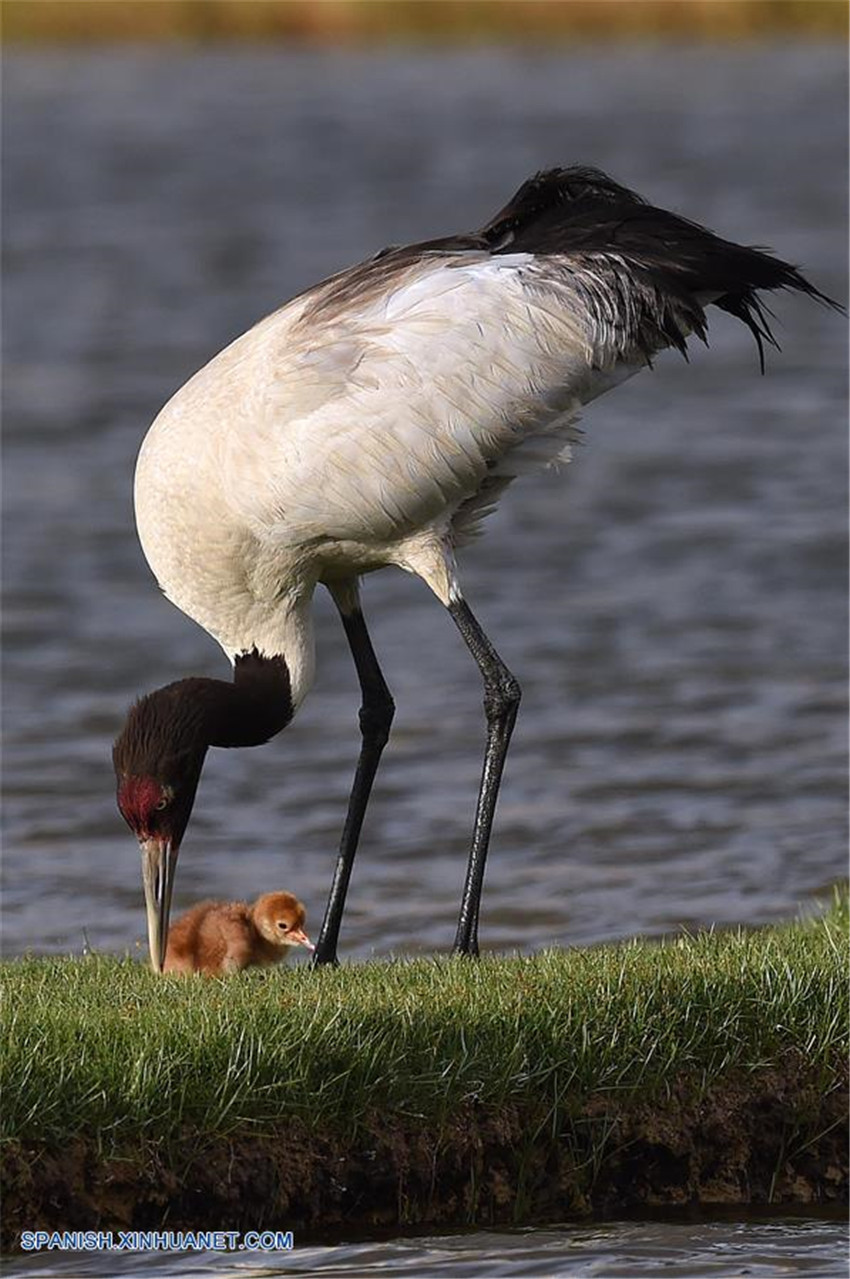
(583, 213)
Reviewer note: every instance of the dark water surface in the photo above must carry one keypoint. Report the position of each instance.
(762, 1249)
(674, 605)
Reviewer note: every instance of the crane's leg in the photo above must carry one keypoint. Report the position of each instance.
(376, 716)
(501, 702)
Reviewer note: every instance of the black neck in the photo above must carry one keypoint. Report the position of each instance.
(213, 712)
(178, 722)
(256, 706)
(187, 716)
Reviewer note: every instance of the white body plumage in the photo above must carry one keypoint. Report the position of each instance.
(326, 443)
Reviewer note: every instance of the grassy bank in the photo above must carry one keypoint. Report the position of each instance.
(420, 1078)
(379, 21)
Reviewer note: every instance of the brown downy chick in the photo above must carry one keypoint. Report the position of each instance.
(223, 937)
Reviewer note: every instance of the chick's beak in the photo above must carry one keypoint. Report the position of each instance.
(159, 860)
(297, 935)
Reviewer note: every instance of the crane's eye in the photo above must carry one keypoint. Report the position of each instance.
(163, 803)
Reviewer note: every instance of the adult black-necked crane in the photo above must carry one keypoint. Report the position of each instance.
(373, 421)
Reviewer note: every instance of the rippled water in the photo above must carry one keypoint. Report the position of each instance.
(763, 1249)
(673, 604)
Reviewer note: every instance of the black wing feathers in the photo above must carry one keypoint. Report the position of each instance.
(643, 270)
(677, 265)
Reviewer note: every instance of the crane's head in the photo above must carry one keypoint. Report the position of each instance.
(158, 757)
(159, 754)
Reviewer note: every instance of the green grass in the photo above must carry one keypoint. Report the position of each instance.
(100, 1045)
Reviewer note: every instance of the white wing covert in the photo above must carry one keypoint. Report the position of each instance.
(470, 370)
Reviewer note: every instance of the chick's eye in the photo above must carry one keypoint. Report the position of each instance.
(282, 925)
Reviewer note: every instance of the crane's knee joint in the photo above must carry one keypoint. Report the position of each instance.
(502, 698)
(376, 717)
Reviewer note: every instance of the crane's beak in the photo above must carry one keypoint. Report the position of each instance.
(159, 860)
(298, 936)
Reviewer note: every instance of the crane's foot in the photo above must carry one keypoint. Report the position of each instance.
(467, 952)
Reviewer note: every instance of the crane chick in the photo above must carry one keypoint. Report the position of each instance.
(223, 937)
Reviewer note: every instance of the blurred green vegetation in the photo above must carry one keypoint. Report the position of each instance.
(359, 22)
